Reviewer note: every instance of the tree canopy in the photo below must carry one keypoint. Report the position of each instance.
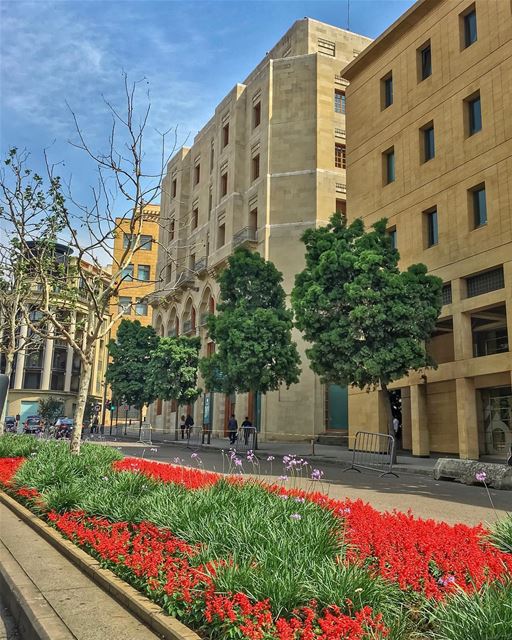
(251, 330)
(367, 321)
(130, 365)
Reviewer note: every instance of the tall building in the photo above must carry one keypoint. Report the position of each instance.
(49, 367)
(140, 277)
(269, 164)
(431, 150)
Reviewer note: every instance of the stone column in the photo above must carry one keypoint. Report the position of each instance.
(419, 420)
(47, 362)
(69, 356)
(20, 359)
(507, 272)
(467, 419)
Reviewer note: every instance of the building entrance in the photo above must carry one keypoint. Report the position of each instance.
(497, 420)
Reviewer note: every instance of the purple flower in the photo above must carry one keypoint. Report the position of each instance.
(300, 499)
(176, 460)
(270, 458)
(283, 478)
(317, 474)
(481, 476)
(446, 580)
(194, 455)
(296, 516)
(283, 496)
(237, 461)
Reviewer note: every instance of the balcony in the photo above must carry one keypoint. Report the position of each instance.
(185, 279)
(244, 236)
(201, 265)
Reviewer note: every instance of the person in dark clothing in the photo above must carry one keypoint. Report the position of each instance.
(247, 427)
(189, 423)
(232, 429)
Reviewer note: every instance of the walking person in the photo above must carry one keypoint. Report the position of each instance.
(189, 423)
(182, 427)
(397, 429)
(247, 429)
(232, 429)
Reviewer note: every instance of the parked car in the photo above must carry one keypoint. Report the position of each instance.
(10, 424)
(63, 427)
(33, 424)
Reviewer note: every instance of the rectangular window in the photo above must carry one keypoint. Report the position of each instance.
(129, 241)
(429, 150)
(341, 206)
(474, 114)
(392, 236)
(485, 282)
(256, 167)
(339, 101)
(253, 218)
(446, 293)
(256, 115)
(432, 228)
(195, 218)
(479, 204)
(389, 165)
(146, 243)
(425, 61)
(469, 27)
(225, 135)
(125, 305)
(197, 173)
(387, 91)
(172, 230)
(224, 184)
(221, 235)
(141, 308)
(174, 188)
(212, 155)
(127, 273)
(143, 272)
(340, 156)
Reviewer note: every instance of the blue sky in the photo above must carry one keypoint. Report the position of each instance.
(190, 53)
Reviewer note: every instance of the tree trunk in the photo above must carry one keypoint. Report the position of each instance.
(9, 359)
(389, 414)
(83, 391)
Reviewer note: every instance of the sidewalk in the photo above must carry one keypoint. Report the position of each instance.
(62, 602)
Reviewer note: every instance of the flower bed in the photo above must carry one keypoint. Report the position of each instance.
(240, 559)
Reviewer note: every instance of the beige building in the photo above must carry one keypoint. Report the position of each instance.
(269, 164)
(431, 150)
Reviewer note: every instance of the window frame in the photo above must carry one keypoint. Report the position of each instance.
(428, 142)
(339, 100)
(144, 267)
(340, 155)
(467, 37)
(474, 121)
(432, 227)
(422, 71)
(388, 168)
(387, 93)
(478, 219)
(138, 304)
(127, 307)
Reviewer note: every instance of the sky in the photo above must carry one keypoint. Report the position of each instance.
(71, 54)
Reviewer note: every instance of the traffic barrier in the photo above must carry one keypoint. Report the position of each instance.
(374, 452)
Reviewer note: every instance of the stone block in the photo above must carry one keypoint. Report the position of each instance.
(498, 476)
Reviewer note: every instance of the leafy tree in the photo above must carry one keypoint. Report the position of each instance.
(130, 365)
(366, 320)
(50, 409)
(173, 371)
(252, 330)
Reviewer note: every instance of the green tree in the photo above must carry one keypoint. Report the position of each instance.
(173, 371)
(130, 365)
(367, 321)
(251, 330)
(50, 409)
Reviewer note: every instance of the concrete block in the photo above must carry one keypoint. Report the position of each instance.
(498, 476)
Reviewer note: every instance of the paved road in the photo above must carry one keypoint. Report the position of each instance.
(8, 630)
(440, 500)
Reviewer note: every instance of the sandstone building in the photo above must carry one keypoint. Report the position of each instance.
(431, 150)
(269, 164)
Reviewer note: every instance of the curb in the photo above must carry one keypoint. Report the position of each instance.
(149, 613)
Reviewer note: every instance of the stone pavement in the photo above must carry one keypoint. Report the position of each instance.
(63, 600)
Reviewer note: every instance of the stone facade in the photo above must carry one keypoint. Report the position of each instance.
(449, 205)
(269, 164)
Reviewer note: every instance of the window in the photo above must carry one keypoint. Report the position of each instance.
(432, 228)
(144, 272)
(197, 173)
(340, 156)
(256, 167)
(392, 236)
(485, 282)
(125, 305)
(127, 273)
(256, 115)
(429, 150)
(172, 230)
(341, 206)
(224, 184)
(210, 201)
(212, 155)
(387, 91)
(425, 61)
(174, 188)
(195, 218)
(446, 293)
(469, 27)
(474, 114)
(339, 101)
(129, 241)
(225, 135)
(141, 307)
(389, 165)
(221, 235)
(479, 205)
(253, 218)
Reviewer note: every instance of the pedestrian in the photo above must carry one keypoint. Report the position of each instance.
(182, 427)
(397, 428)
(189, 423)
(95, 423)
(232, 429)
(247, 427)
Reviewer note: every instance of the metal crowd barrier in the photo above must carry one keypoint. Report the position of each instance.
(373, 451)
(247, 440)
(193, 436)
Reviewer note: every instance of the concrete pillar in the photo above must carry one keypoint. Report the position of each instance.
(419, 420)
(462, 336)
(47, 362)
(467, 423)
(507, 272)
(20, 360)
(69, 356)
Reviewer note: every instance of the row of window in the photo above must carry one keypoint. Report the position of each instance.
(468, 36)
(477, 204)
(126, 305)
(143, 273)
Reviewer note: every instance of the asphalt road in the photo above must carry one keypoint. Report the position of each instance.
(428, 498)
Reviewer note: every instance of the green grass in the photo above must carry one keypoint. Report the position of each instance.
(501, 534)
(16, 446)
